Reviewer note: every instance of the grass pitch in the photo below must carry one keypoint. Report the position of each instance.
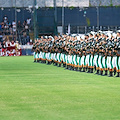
(35, 91)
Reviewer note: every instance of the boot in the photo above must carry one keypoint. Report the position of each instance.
(91, 70)
(55, 64)
(95, 67)
(71, 68)
(39, 61)
(105, 73)
(97, 72)
(101, 73)
(88, 70)
(110, 74)
(59, 65)
(64, 65)
(80, 69)
(114, 72)
(76, 69)
(83, 69)
(51, 62)
(118, 74)
(67, 67)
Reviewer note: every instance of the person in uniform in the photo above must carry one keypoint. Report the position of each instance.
(34, 50)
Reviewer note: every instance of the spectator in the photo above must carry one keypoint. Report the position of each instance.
(19, 26)
(14, 27)
(5, 19)
(6, 29)
(24, 23)
(1, 36)
(0, 27)
(31, 42)
(10, 29)
(28, 22)
(0, 45)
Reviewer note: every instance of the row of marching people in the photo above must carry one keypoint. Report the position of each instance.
(92, 53)
(85, 63)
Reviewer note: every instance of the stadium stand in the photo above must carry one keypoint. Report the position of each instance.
(9, 30)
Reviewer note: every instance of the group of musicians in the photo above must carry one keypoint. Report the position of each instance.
(94, 52)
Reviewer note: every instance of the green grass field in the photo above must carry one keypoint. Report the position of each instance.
(35, 91)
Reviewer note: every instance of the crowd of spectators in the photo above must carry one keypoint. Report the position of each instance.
(19, 32)
(8, 48)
